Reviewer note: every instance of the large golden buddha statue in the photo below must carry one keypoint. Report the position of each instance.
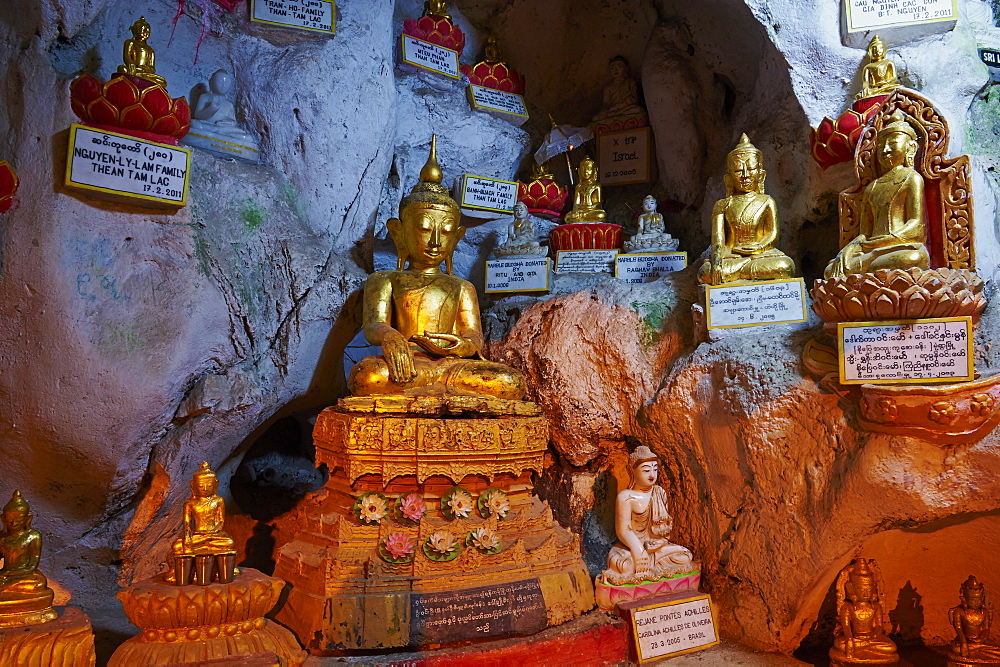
(745, 226)
(972, 621)
(587, 205)
(891, 220)
(138, 56)
(25, 596)
(426, 321)
(204, 543)
(860, 635)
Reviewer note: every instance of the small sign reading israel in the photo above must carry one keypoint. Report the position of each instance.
(869, 14)
(432, 57)
(488, 99)
(517, 274)
(316, 15)
(751, 304)
(671, 628)
(930, 350)
(623, 157)
(585, 261)
(118, 164)
(642, 267)
(488, 194)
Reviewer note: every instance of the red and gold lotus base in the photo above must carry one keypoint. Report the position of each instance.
(586, 236)
(834, 141)
(130, 105)
(543, 196)
(8, 185)
(436, 30)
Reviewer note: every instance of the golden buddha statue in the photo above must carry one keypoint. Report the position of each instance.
(25, 597)
(745, 226)
(426, 321)
(860, 636)
(891, 219)
(643, 524)
(437, 8)
(879, 74)
(204, 543)
(139, 56)
(586, 195)
(972, 620)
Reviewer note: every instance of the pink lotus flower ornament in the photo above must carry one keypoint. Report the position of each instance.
(412, 507)
(400, 545)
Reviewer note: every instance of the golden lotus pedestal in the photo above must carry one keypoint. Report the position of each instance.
(351, 591)
(192, 623)
(67, 641)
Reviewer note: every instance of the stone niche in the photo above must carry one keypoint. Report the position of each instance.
(137, 343)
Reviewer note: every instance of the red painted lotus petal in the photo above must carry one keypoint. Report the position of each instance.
(839, 146)
(85, 88)
(182, 112)
(157, 102)
(100, 111)
(8, 180)
(467, 71)
(500, 71)
(121, 93)
(825, 128)
(166, 125)
(137, 117)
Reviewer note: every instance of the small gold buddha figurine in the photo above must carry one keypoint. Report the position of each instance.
(643, 524)
(139, 56)
(204, 543)
(860, 636)
(437, 8)
(25, 597)
(621, 95)
(879, 74)
(427, 322)
(891, 218)
(972, 621)
(745, 226)
(586, 195)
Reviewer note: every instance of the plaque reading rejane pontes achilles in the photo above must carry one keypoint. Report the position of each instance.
(671, 625)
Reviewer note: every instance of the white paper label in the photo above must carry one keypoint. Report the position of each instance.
(123, 165)
(497, 100)
(318, 15)
(585, 261)
(517, 275)
(670, 628)
(488, 194)
(430, 56)
(906, 351)
(623, 157)
(750, 304)
(641, 267)
(868, 14)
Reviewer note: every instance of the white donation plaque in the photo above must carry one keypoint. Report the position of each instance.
(585, 261)
(624, 156)
(124, 166)
(431, 57)
(871, 14)
(489, 99)
(642, 267)
(752, 304)
(929, 350)
(671, 628)
(487, 194)
(517, 274)
(315, 15)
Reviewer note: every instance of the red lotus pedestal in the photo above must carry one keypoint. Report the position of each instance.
(436, 30)
(130, 105)
(543, 196)
(834, 142)
(498, 76)
(586, 236)
(8, 185)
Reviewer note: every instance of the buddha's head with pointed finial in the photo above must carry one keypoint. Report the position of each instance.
(745, 173)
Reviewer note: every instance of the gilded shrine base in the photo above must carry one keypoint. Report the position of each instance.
(349, 593)
(67, 641)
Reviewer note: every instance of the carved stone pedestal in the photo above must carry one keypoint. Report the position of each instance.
(67, 641)
(181, 624)
(364, 576)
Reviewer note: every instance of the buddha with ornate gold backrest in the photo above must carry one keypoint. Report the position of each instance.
(425, 320)
(891, 210)
(745, 226)
(860, 637)
(879, 75)
(972, 621)
(139, 58)
(25, 596)
(587, 206)
(204, 548)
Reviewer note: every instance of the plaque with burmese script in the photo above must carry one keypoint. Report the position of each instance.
(585, 261)
(431, 57)
(517, 274)
(487, 194)
(119, 166)
(624, 156)
(517, 608)
(315, 15)
(497, 101)
(753, 304)
(928, 350)
(670, 625)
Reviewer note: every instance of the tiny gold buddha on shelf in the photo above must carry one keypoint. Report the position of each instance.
(587, 205)
(972, 620)
(860, 637)
(214, 612)
(430, 499)
(745, 226)
(138, 56)
(879, 75)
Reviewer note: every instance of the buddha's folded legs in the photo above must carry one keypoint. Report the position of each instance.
(441, 376)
